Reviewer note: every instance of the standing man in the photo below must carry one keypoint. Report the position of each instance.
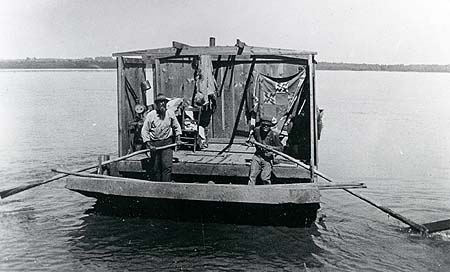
(160, 127)
(262, 160)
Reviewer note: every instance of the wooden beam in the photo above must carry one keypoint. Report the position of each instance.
(312, 114)
(238, 59)
(157, 81)
(233, 98)
(225, 63)
(129, 62)
(217, 50)
(336, 186)
(121, 102)
(302, 58)
(316, 112)
(222, 102)
(179, 45)
(259, 61)
(281, 172)
(301, 194)
(326, 186)
(240, 44)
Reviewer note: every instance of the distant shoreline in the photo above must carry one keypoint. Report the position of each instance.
(110, 63)
(431, 68)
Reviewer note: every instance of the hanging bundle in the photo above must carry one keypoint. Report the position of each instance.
(205, 91)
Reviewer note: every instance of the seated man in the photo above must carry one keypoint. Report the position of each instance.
(262, 160)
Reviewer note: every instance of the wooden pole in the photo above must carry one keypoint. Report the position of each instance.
(316, 108)
(122, 108)
(312, 120)
(222, 104)
(101, 159)
(86, 175)
(421, 228)
(16, 190)
(298, 162)
(323, 186)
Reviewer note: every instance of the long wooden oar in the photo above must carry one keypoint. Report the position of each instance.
(16, 190)
(86, 175)
(418, 227)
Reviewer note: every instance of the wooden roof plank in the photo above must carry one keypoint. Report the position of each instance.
(179, 45)
(215, 50)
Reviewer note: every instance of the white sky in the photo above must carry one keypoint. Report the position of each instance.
(378, 31)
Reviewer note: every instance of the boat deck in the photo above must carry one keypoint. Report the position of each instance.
(231, 166)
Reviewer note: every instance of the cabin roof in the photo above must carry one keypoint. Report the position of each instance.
(240, 49)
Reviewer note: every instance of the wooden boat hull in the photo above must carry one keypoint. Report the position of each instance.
(290, 205)
(291, 215)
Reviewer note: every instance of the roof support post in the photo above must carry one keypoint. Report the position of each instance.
(121, 102)
(316, 114)
(157, 78)
(312, 116)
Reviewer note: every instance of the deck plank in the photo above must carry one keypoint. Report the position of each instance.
(227, 164)
(211, 169)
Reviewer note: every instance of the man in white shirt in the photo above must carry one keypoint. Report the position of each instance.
(160, 127)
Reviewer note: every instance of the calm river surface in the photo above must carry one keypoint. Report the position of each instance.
(390, 130)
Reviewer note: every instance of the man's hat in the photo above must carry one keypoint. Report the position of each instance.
(161, 97)
(269, 122)
(145, 85)
(199, 99)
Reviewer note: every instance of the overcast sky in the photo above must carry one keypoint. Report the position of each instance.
(381, 31)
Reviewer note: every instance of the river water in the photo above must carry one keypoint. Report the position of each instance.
(390, 130)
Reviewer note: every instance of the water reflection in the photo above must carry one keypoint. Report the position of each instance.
(143, 243)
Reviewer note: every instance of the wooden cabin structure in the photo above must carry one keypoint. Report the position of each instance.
(212, 180)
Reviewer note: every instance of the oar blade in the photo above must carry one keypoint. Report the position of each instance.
(13, 191)
(433, 227)
(438, 226)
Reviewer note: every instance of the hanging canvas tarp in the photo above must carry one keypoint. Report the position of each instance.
(205, 83)
(274, 97)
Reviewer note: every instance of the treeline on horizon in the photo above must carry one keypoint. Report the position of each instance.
(384, 67)
(110, 63)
